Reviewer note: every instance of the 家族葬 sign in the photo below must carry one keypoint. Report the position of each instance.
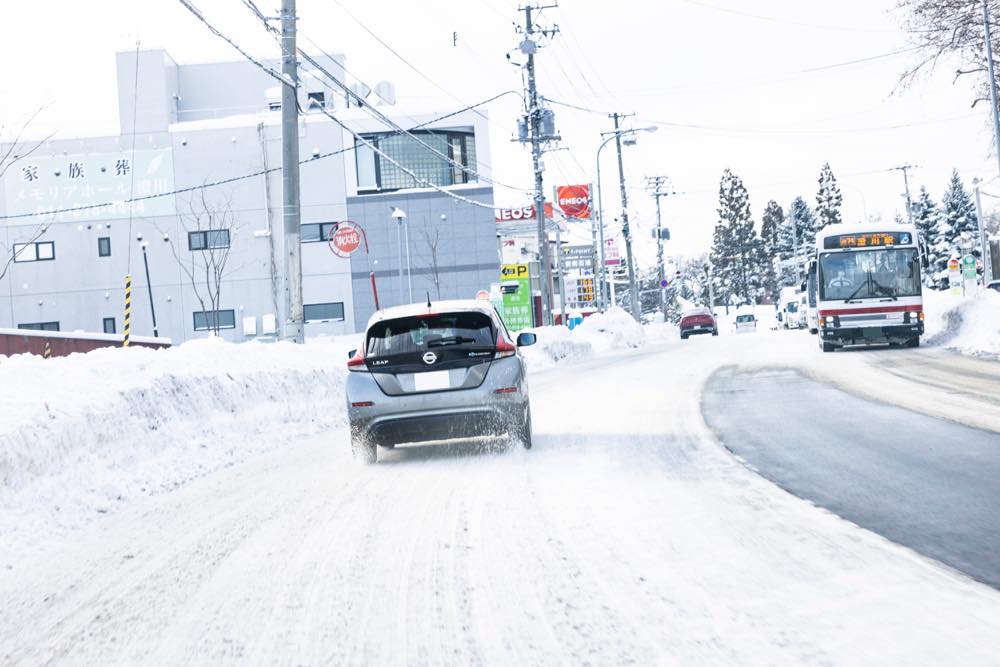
(41, 183)
(515, 288)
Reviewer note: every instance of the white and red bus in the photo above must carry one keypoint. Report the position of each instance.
(868, 285)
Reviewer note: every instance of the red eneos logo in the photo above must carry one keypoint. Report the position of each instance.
(345, 240)
(574, 201)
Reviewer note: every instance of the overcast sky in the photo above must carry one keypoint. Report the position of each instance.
(756, 87)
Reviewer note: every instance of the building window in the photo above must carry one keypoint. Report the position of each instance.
(109, 325)
(209, 239)
(41, 251)
(319, 312)
(104, 246)
(209, 320)
(378, 174)
(274, 106)
(316, 100)
(317, 231)
(40, 326)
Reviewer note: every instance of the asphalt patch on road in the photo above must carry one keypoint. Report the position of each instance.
(926, 483)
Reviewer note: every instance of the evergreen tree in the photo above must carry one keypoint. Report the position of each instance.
(925, 217)
(828, 199)
(957, 219)
(799, 236)
(737, 252)
(770, 236)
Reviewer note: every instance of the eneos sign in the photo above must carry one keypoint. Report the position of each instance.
(574, 201)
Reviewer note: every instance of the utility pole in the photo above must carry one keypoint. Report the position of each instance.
(290, 176)
(537, 118)
(993, 80)
(906, 183)
(795, 234)
(626, 232)
(655, 183)
(984, 253)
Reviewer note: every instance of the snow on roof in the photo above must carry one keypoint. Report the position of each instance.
(414, 309)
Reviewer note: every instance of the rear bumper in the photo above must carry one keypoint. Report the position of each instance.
(491, 420)
(692, 331)
(898, 333)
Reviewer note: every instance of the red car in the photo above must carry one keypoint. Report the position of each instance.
(698, 321)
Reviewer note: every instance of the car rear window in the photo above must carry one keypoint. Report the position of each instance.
(744, 318)
(406, 335)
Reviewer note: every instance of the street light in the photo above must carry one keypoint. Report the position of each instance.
(630, 141)
(149, 285)
(399, 215)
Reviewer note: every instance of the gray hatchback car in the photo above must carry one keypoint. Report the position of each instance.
(437, 372)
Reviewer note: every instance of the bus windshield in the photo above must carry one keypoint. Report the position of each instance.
(868, 274)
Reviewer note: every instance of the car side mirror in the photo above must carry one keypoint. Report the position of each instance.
(351, 354)
(525, 339)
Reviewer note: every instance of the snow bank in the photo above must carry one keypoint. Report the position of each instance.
(84, 434)
(967, 325)
(614, 329)
(599, 333)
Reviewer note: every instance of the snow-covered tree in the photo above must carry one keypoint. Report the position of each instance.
(925, 217)
(956, 225)
(828, 199)
(770, 236)
(737, 252)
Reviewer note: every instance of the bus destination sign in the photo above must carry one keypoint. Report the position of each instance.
(868, 240)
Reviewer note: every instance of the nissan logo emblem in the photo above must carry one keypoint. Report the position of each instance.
(430, 357)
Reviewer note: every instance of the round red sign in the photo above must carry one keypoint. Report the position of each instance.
(574, 200)
(346, 239)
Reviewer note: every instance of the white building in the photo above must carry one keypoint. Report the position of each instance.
(187, 125)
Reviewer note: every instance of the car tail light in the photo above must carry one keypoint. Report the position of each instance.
(356, 363)
(505, 349)
(363, 404)
(506, 390)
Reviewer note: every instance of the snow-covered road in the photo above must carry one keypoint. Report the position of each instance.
(627, 535)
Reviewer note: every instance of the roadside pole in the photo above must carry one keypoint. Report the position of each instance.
(985, 252)
(294, 326)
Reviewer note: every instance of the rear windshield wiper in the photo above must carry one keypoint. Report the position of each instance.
(450, 340)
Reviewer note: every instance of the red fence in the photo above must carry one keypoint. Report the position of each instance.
(60, 344)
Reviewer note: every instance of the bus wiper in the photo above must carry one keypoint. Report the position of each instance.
(890, 292)
(855, 292)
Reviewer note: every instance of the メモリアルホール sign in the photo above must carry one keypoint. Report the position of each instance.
(574, 201)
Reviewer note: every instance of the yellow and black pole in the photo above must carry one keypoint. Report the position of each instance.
(128, 309)
(47, 352)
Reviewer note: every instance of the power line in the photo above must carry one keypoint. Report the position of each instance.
(231, 179)
(361, 102)
(398, 55)
(736, 130)
(774, 19)
(270, 70)
(367, 108)
(385, 119)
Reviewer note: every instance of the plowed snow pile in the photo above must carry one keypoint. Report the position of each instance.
(598, 333)
(970, 325)
(84, 434)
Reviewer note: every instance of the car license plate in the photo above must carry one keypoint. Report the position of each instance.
(871, 332)
(431, 381)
